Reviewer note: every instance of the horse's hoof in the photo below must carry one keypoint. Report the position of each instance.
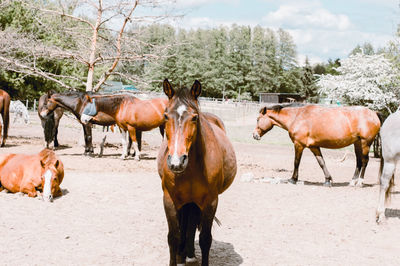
(327, 184)
(137, 158)
(191, 260)
(360, 183)
(292, 181)
(352, 183)
(380, 218)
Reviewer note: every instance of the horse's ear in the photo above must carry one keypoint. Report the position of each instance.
(42, 163)
(168, 90)
(57, 164)
(196, 89)
(263, 110)
(88, 98)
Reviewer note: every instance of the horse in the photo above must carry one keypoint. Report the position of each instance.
(130, 113)
(5, 114)
(50, 122)
(20, 111)
(390, 133)
(314, 127)
(196, 163)
(28, 173)
(74, 101)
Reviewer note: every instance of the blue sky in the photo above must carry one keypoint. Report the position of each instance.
(321, 29)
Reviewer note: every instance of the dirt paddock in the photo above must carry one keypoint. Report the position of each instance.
(111, 212)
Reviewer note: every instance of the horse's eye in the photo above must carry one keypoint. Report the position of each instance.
(194, 118)
(165, 117)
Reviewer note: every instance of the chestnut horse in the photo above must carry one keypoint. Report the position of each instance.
(50, 122)
(5, 114)
(129, 113)
(28, 173)
(196, 163)
(314, 126)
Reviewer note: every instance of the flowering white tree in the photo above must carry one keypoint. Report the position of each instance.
(368, 80)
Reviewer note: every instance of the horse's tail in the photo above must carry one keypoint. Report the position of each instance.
(6, 117)
(48, 124)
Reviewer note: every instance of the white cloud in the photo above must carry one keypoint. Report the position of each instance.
(306, 15)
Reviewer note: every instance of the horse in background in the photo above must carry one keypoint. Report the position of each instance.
(130, 113)
(29, 173)
(315, 127)
(5, 114)
(390, 134)
(50, 122)
(19, 110)
(196, 163)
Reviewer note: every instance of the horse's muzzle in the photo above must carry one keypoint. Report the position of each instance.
(44, 113)
(86, 118)
(256, 136)
(177, 164)
(48, 198)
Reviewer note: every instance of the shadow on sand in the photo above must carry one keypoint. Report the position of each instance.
(392, 213)
(221, 253)
(321, 184)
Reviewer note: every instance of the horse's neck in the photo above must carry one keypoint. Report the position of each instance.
(205, 139)
(70, 104)
(284, 117)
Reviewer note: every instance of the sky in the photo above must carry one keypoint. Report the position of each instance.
(321, 29)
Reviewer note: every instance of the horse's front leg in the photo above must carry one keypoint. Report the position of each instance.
(205, 239)
(318, 155)
(298, 152)
(173, 231)
(385, 179)
(132, 134)
(87, 131)
(124, 137)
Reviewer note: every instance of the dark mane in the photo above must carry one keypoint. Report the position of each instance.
(184, 96)
(279, 106)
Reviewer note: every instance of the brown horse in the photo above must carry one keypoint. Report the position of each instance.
(26, 173)
(5, 114)
(129, 113)
(314, 126)
(50, 122)
(196, 163)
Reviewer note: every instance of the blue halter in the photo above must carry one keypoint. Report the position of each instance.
(90, 109)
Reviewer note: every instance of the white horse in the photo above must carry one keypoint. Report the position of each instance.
(390, 134)
(19, 110)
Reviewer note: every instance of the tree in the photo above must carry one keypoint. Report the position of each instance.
(91, 34)
(309, 89)
(367, 80)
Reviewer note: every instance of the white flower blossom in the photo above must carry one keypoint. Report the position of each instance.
(369, 80)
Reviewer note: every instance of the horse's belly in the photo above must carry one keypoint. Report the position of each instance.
(332, 143)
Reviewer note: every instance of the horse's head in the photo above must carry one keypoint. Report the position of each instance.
(89, 110)
(47, 104)
(264, 124)
(181, 123)
(52, 174)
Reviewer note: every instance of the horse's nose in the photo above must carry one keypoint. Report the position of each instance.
(256, 136)
(43, 113)
(177, 164)
(48, 198)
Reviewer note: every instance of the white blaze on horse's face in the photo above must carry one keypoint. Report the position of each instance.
(180, 130)
(47, 196)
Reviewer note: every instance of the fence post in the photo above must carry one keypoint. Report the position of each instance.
(26, 105)
(34, 105)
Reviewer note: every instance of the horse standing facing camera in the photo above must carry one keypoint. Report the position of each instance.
(196, 163)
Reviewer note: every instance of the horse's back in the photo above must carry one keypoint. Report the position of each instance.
(15, 169)
(334, 127)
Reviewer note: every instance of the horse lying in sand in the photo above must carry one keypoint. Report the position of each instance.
(28, 173)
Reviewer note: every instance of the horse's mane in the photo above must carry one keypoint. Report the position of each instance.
(279, 106)
(185, 97)
(47, 156)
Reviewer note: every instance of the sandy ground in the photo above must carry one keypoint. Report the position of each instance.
(111, 212)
